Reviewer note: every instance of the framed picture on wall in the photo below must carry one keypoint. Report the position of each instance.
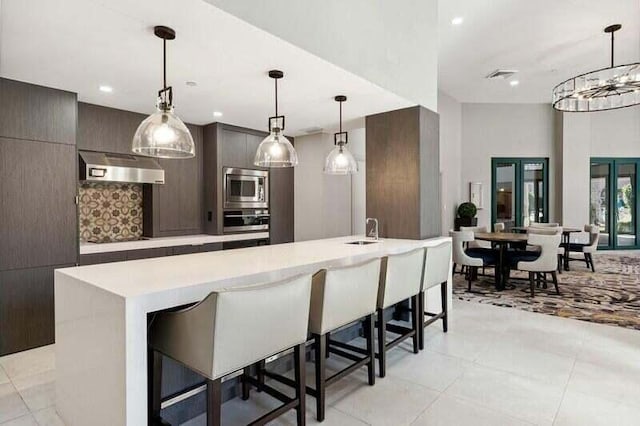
(475, 194)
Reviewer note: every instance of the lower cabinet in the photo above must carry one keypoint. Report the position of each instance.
(243, 244)
(120, 256)
(26, 308)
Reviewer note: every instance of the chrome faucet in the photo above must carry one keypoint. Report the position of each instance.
(374, 230)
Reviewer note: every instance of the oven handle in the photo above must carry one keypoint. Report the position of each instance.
(248, 215)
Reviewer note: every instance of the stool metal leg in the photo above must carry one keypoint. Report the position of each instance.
(371, 349)
(422, 311)
(214, 402)
(300, 378)
(445, 307)
(416, 322)
(320, 347)
(246, 387)
(260, 366)
(382, 348)
(155, 386)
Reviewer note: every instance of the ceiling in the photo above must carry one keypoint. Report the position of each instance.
(548, 41)
(78, 45)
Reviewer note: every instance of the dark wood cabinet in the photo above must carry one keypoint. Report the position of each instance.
(281, 205)
(37, 113)
(39, 224)
(233, 149)
(106, 129)
(26, 308)
(148, 253)
(176, 206)
(108, 257)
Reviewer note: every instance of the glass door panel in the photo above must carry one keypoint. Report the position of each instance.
(505, 202)
(625, 205)
(599, 209)
(533, 190)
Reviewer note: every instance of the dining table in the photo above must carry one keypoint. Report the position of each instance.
(566, 239)
(501, 240)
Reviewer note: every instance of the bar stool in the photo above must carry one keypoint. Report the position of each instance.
(339, 297)
(230, 330)
(436, 272)
(400, 279)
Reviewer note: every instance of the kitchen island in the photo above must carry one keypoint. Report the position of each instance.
(101, 314)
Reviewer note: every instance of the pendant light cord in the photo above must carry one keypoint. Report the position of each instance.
(276, 83)
(164, 63)
(612, 35)
(340, 116)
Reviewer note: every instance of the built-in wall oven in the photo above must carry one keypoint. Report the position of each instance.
(245, 188)
(244, 220)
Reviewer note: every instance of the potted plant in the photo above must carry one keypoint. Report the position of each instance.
(466, 215)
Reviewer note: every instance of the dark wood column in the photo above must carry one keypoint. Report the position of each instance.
(403, 172)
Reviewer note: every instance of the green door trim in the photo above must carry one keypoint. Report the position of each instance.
(614, 163)
(519, 163)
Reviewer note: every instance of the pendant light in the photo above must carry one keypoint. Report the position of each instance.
(608, 88)
(340, 161)
(276, 150)
(163, 134)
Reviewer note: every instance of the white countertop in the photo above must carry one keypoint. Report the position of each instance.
(186, 240)
(221, 269)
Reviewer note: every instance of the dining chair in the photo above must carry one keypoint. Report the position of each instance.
(471, 259)
(548, 230)
(544, 224)
(498, 227)
(539, 264)
(475, 246)
(587, 249)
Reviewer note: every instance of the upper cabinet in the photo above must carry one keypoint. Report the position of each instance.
(177, 205)
(233, 149)
(106, 129)
(37, 113)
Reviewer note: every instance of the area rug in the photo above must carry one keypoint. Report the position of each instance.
(608, 296)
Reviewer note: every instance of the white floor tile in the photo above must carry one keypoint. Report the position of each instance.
(448, 411)
(579, 409)
(390, 402)
(38, 390)
(3, 377)
(532, 400)
(11, 404)
(27, 420)
(48, 417)
(28, 363)
(615, 384)
(430, 369)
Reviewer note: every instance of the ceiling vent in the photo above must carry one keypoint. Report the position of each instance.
(501, 74)
(313, 130)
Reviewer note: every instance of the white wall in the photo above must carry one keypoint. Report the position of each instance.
(452, 193)
(392, 44)
(613, 133)
(504, 130)
(322, 206)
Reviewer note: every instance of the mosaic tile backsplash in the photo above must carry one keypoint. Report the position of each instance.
(110, 212)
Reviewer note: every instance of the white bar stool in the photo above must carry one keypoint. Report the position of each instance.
(230, 330)
(339, 297)
(400, 279)
(436, 272)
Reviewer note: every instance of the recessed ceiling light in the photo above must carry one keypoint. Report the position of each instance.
(191, 83)
(514, 83)
(457, 20)
(217, 114)
(106, 89)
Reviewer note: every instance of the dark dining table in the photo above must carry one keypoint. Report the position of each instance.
(502, 240)
(566, 239)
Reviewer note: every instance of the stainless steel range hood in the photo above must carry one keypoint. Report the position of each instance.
(105, 167)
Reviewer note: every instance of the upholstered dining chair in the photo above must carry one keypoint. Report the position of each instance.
(498, 227)
(587, 249)
(549, 230)
(472, 259)
(537, 264)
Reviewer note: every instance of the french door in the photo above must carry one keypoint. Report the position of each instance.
(520, 191)
(614, 202)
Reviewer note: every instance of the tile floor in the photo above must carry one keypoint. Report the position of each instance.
(496, 366)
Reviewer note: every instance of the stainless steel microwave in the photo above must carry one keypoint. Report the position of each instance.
(245, 188)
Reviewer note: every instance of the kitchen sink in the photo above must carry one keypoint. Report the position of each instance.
(361, 243)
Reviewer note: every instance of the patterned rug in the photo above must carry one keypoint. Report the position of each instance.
(608, 296)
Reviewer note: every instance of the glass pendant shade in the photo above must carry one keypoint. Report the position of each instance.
(163, 135)
(276, 151)
(340, 162)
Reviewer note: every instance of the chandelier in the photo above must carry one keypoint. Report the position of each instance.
(608, 88)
